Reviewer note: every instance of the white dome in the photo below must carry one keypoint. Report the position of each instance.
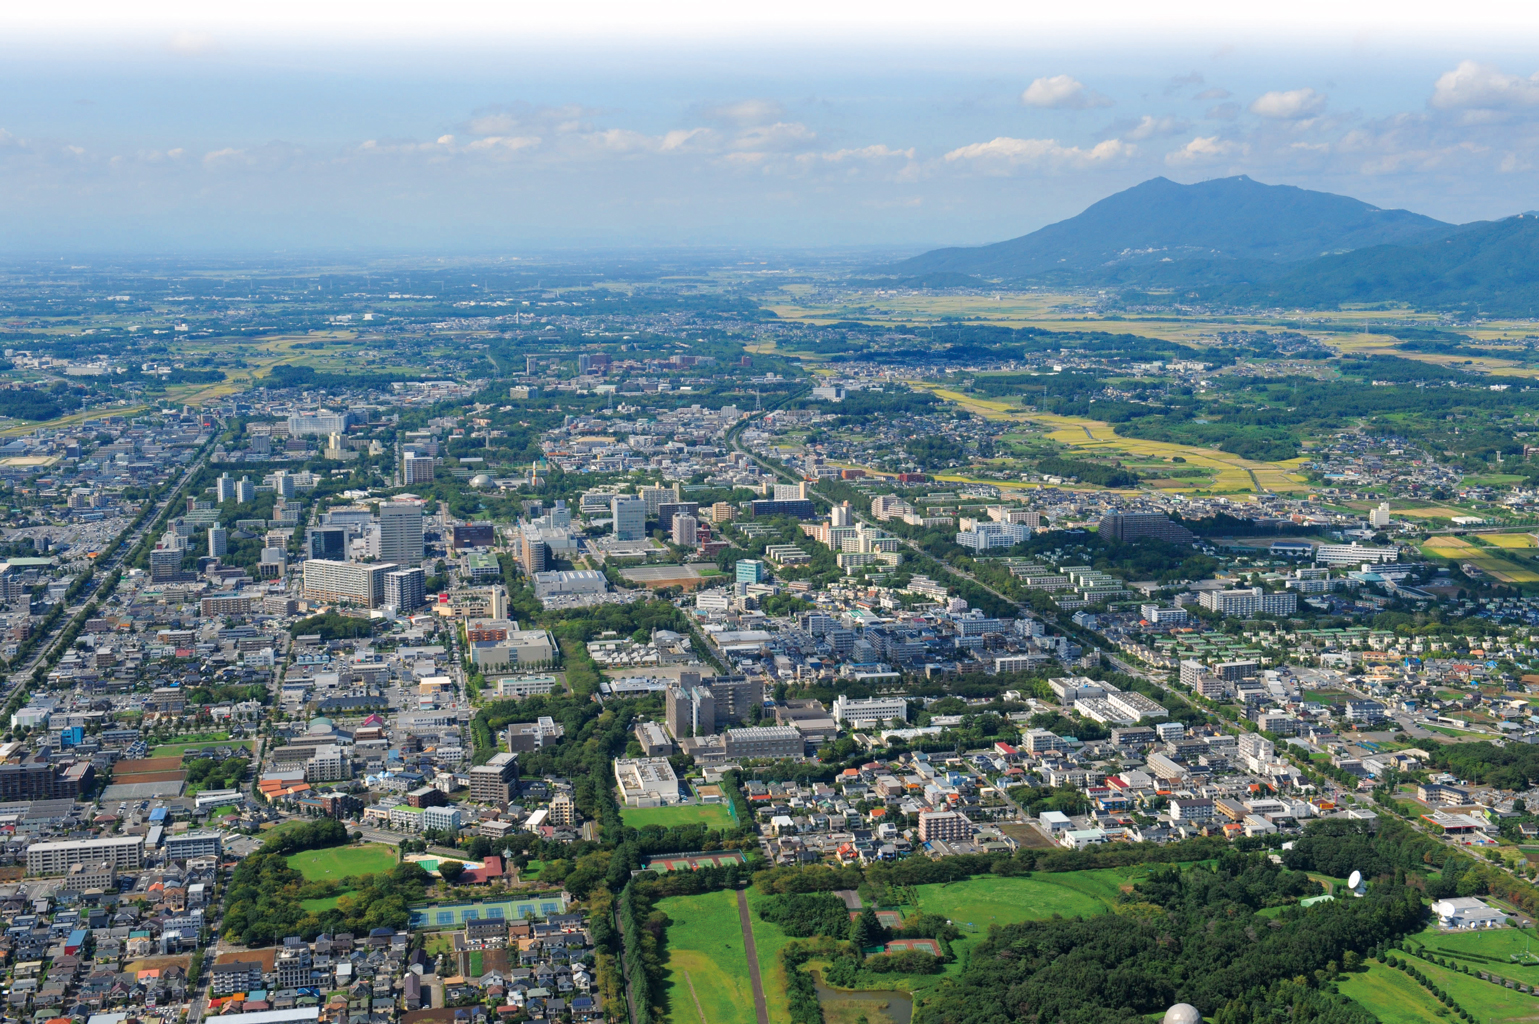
(1182, 1013)
(480, 480)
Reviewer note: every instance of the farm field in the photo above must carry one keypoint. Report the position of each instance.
(713, 815)
(1510, 540)
(343, 861)
(1460, 549)
(706, 960)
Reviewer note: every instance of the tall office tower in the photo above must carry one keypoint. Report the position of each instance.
(630, 516)
(245, 490)
(532, 551)
(224, 488)
(839, 515)
(405, 589)
(400, 533)
(416, 469)
(328, 542)
(218, 541)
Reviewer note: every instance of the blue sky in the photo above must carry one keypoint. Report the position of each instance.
(406, 128)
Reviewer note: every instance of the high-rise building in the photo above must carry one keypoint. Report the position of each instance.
(165, 564)
(791, 492)
(400, 533)
(684, 530)
(655, 496)
(346, 582)
(840, 514)
(751, 570)
(245, 490)
(531, 365)
(329, 542)
(668, 509)
(630, 517)
(416, 469)
(218, 541)
(532, 552)
(691, 711)
(1131, 526)
(406, 589)
(224, 488)
(283, 484)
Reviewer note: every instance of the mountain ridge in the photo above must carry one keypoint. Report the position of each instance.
(1236, 225)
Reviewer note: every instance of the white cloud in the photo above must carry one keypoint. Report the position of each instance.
(745, 113)
(192, 44)
(1061, 92)
(223, 156)
(781, 135)
(1214, 93)
(1151, 127)
(1481, 85)
(1204, 149)
(1005, 152)
(877, 152)
(522, 119)
(1288, 106)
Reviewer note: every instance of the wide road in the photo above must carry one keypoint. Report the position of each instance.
(103, 569)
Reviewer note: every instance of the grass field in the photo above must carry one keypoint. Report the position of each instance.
(1487, 1001)
(1393, 997)
(178, 749)
(977, 903)
(325, 903)
(713, 815)
(705, 950)
(1499, 943)
(769, 941)
(343, 861)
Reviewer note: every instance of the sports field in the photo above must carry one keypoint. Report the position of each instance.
(343, 861)
(713, 815)
(178, 749)
(706, 960)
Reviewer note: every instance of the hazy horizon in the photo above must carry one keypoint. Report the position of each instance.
(219, 139)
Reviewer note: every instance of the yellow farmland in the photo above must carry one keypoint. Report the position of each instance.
(1230, 472)
(1451, 547)
(1510, 540)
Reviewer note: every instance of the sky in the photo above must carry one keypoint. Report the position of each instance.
(468, 128)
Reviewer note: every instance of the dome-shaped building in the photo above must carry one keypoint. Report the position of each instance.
(1182, 1013)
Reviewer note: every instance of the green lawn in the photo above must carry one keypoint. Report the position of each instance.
(1393, 996)
(343, 861)
(713, 815)
(1497, 943)
(979, 902)
(769, 940)
(178, 749)
(529, 872)
(705, 949)
(1486, 1000)
(316, 906)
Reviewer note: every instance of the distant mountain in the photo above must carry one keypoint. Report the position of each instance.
(1488, 266)
(1227, 229)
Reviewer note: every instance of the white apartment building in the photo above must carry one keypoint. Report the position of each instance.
(55, 858)
(869, 710)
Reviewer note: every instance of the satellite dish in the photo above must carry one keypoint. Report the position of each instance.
(1356, 880)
